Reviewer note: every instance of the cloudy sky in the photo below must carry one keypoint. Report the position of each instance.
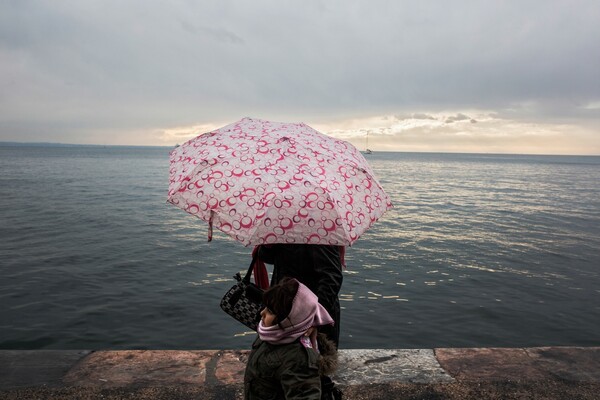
(452, 76)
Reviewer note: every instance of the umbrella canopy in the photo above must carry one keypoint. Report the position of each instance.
(271, 182)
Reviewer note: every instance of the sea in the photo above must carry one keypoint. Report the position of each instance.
(480, 250)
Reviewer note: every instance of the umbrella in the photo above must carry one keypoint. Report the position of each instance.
(270, 182)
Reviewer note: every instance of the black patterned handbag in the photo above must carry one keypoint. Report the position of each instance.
(244, 300)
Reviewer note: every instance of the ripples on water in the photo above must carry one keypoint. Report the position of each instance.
(480, 250)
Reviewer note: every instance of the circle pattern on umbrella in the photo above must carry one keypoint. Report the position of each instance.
(271, 182)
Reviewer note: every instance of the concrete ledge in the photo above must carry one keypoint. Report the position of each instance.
(141, 368)
(385, 366)
(24, 368)
(219, 374)
(575, 364)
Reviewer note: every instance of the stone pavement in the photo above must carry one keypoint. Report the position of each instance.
(542, 372)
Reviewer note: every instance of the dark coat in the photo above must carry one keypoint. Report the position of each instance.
(288, 371)
(319, 267)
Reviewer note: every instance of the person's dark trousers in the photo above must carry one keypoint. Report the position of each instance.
(328, 389)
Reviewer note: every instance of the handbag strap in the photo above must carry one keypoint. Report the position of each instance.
(246, 278)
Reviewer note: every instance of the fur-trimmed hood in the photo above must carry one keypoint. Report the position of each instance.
(328, 359)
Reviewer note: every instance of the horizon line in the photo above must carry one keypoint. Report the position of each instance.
(60, 144)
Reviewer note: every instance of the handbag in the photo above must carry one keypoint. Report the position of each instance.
(244, 300)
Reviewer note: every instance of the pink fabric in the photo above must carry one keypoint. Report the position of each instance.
(343, 255)
(306, 312)
(261, 276)
(273, 182)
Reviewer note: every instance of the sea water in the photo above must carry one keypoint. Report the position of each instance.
(479, 250)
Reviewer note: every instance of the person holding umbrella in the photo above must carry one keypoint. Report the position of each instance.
(300, 195)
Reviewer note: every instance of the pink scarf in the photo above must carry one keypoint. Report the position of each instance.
(306, 312)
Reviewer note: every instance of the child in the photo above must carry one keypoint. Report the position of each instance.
(285, 362)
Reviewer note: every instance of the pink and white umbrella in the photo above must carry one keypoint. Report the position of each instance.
(271, 182)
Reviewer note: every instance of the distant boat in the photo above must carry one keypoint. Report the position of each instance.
(367, 149)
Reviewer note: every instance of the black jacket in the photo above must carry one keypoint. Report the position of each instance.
(319, 267)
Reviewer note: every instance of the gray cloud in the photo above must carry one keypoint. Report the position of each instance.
(72, 67)
(457, 117)
(221, 35)
(422, 116)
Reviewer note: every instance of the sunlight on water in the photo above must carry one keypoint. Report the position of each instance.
(247, 333)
